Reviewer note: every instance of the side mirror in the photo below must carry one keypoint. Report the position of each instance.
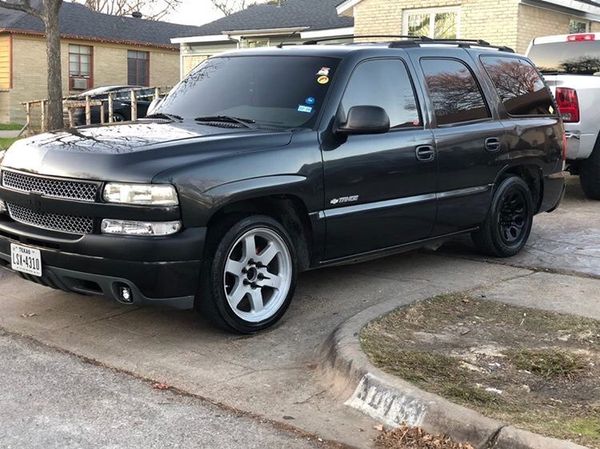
(364, 120)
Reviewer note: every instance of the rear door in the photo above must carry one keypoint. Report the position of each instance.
(469, 140)
(528, 112)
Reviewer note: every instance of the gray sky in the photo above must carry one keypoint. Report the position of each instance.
(195, 12)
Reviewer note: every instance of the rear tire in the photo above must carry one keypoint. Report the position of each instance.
(589, 175)
(249, 274)
(507, 226)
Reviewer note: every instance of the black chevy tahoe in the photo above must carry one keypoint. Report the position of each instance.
(264, 163)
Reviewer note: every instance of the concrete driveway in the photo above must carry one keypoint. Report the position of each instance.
(273, 374)
(565, 241)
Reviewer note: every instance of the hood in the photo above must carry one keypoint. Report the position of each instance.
(132, 152)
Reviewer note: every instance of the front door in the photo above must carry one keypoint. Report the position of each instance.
(380, 189)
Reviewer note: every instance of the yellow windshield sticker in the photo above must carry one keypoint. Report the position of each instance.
(323, 80)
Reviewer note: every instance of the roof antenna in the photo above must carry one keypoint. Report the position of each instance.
(280, 45)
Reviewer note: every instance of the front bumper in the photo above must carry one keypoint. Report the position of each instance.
(161, 270)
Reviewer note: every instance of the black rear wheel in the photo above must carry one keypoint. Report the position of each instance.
(508, 224)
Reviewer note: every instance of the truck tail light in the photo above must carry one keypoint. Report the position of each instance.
(581, 37)
(568, 104)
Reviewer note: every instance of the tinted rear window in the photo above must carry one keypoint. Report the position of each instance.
(579, 58)
(519, 85)
(455, 94)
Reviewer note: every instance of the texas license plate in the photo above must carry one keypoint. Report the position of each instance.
(26, 260)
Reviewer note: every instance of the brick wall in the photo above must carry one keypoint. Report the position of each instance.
(110, 67)
(29, 75)
(491, 20)
(501, 22)
(536, 22)
(191, 61)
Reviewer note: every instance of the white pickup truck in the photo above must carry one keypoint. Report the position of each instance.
(571, 66)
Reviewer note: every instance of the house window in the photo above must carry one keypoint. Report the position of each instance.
(436, 23)
(256, 43)
(578, 26)
(138, 68)
(80, 67)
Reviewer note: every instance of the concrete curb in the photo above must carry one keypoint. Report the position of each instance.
(394, 402)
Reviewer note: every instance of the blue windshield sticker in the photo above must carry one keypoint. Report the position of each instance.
(310, 101)
(303, 108)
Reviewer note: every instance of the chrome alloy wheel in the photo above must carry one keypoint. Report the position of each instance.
(257, 275)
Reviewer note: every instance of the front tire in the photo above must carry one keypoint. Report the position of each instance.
(249, 275)
(506, 229)
(589, 175)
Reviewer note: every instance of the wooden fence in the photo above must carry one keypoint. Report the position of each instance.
(37, 110)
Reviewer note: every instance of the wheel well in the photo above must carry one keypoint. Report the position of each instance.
(532, 176)
(288, 210)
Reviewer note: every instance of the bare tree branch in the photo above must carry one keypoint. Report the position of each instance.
(21, 5)
(229, 7)
(150, 9)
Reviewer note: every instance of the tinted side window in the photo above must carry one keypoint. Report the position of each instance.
(455, 94)
(387, 84)
(519, 86)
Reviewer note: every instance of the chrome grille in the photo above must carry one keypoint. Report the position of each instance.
(58, 188)
(54, 222)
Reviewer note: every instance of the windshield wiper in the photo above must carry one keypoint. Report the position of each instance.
(246, 123)
(162, 115)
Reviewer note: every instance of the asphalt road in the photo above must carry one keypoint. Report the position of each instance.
(51, 400)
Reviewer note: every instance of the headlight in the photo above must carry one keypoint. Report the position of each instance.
(141, 194)
(143, 228)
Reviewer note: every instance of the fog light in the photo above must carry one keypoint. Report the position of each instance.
(125, 294)
(141, 228)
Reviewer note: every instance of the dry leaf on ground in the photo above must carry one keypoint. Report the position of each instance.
(416, 438)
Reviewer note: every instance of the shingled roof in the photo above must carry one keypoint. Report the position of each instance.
(311, 14)
(78, 21)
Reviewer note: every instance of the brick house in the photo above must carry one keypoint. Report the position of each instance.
(503, 22)
(96, 49)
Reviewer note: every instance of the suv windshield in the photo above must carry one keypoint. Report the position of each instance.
(578, 58)
(268, 91)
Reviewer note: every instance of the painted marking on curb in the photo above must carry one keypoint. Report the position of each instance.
(384, 404)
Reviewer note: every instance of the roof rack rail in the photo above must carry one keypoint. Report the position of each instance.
(412, 41)
(464, 43)
(366, 36)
